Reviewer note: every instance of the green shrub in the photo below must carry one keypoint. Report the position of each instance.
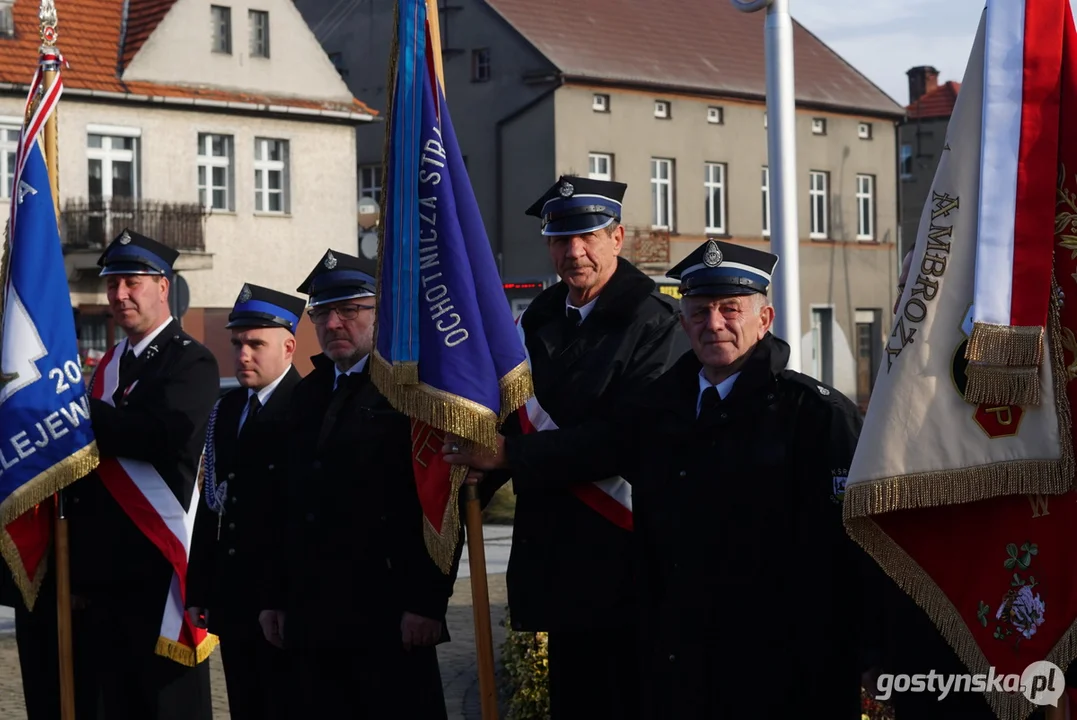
(524, 657)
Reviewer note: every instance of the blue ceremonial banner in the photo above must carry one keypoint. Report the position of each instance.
(46, 441)
(446, 352)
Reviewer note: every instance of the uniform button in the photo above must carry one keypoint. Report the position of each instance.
(317, 465)
(231, 526)
(231, 476)
(270, 467)
(683, 473)
(76, 501)
(724, 416)
(310, 517)
(234, 500)
(231, 551)
(770, 397)
(672, 658)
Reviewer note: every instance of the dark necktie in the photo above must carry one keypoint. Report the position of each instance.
(126, 361)
(253, 406)
(573, 318)
(344, 385)
(710, 407)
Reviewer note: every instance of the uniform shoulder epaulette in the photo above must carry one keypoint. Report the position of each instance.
(818, 389)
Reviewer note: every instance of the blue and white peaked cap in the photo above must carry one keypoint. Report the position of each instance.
(260, 307)
(339, 276)
(719, 268)
(576, 205)
(133, 254)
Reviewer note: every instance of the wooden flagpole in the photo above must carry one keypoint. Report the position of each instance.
(476, 550)
(51, 68)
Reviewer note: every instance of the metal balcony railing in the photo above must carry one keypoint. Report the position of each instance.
(92, 223)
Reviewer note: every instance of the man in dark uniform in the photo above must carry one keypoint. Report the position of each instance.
(594, 339)
(246, 447)
(151, 398)
(354, 592)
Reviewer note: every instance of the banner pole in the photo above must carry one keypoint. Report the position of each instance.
(480, 594)
(51, 69)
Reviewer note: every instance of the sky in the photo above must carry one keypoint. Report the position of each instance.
(884, 38)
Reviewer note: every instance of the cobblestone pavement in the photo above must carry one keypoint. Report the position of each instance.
(458, 663)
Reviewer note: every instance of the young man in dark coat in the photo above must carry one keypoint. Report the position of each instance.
(151, 399)
(354, 592)
(246, 448)
(593, 340)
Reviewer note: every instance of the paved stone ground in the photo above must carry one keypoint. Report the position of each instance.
(458, 663)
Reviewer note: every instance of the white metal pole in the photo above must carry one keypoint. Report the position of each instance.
(782, 161)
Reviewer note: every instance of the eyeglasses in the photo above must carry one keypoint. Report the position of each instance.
(320, 315)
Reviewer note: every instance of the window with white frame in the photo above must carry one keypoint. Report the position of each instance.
(600, 102)
(817, 194)
(600, 166)
(715, 115)
(370, 182)
(9, 147)
(215, 173)
(221, 23)
(818, 126)
(766, 201)
(112, 162)
(259, 30)
(270, 175)
(863, 131)
(714, 188)
(661, 109)
(865, 207)
(662, 193)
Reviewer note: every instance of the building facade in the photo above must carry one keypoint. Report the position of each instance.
(923, 136)
(242, 157)
(677, 111)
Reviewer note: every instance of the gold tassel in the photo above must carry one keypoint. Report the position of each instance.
(45, 484)
(186, 656)
(516, 389)
(442, 546)
(1005, 345)
(1004, 385)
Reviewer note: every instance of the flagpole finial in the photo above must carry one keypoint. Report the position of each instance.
(47, 14)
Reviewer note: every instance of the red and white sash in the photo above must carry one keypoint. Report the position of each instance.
(611, 498)
(152, 506)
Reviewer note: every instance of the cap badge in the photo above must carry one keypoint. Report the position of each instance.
(245, 294)
(330, 260)
(566, 189)
(712, 256)
(125, 239)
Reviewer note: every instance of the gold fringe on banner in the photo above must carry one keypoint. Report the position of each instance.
(516, 389)
(1005, 345)
(442, 546)
(442, 410)
(47, 483)
(1002, 385)
(184, 655)
(915, 582)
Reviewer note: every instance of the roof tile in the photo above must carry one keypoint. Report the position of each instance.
(701, 45)
(89, 38)
(938, 103)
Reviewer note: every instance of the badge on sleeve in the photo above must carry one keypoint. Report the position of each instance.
(840, 477)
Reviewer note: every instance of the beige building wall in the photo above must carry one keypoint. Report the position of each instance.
(180, 52)
(244, 246)
(839, 273)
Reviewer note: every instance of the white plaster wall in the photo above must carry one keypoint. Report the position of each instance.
(276, 251)
(179, 52)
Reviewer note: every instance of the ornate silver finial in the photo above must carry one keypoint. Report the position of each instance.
(47, 15)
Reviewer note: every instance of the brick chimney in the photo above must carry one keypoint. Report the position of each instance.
(922, 80)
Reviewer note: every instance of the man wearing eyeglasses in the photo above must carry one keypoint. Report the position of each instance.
(354, 592)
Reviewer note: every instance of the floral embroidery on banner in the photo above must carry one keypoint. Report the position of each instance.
(1021, 610)
(1066, 232)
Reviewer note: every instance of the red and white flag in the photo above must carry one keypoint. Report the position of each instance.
(154, 508)
(962, 484)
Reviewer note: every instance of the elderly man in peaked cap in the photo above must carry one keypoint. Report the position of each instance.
(594, 340)
(748, 582)
(151, 398)
(246, 449)
(355, 593)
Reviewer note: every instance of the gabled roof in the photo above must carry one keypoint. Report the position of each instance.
(90, 37)
(705, 46)
(938, 103)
